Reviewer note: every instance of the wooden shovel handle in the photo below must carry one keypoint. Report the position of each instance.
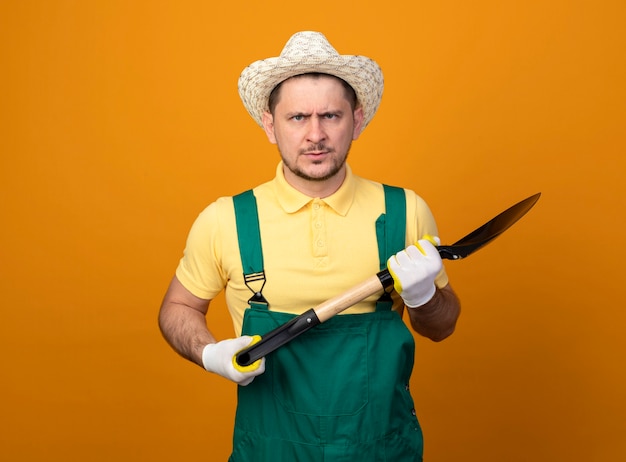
(341, 302)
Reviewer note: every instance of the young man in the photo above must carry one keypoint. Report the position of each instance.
(339, 392)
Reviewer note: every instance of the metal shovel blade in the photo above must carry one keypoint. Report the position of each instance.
(487, 232)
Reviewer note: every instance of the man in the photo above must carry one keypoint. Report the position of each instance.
(339, 392)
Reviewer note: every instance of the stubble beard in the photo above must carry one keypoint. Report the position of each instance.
(337, 163)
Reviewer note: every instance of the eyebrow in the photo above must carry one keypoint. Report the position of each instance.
(337, 112)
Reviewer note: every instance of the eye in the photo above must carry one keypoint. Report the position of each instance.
(297, 117)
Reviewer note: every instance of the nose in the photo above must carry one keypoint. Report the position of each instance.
(315, 133)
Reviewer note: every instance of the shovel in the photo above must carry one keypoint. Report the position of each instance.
(261, 346)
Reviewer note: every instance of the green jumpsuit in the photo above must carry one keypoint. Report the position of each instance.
(340, 391)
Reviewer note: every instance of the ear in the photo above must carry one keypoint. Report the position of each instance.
(358, 122)
(268, 126)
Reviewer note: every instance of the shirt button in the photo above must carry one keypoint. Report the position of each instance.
(320, 243)
(318, 225)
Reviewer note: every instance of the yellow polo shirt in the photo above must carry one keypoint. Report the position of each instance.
(313, 249)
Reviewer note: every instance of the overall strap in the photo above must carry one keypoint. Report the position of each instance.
(250, 249)
(390, 233)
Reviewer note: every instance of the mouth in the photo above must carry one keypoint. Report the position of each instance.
(316, 152)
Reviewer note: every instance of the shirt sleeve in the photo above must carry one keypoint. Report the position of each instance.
(420, 222)
(199, 270)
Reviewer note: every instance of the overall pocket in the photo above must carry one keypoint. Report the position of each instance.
(324, 372)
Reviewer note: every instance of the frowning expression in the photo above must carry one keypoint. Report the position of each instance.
(313, 124)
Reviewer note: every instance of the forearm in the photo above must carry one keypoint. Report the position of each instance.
(185, 330)
(182, 320)
(437, 318)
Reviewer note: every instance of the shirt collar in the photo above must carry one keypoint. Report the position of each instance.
(292, 200)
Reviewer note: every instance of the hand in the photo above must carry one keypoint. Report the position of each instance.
(414, 271)
(220, 358)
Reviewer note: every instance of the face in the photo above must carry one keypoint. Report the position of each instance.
(313, 126)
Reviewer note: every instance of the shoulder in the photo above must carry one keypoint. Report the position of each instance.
(374, 189)
(216, 212)
(367, 188)
(416, 202)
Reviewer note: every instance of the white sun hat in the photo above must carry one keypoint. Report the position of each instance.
(307, 52)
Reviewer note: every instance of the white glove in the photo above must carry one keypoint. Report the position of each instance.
(414, 271)
(220, 358)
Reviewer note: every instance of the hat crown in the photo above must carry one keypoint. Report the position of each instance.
(308, 44)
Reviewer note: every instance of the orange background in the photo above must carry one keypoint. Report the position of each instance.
(120, 121)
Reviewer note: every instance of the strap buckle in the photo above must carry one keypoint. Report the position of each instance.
(258, 295)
